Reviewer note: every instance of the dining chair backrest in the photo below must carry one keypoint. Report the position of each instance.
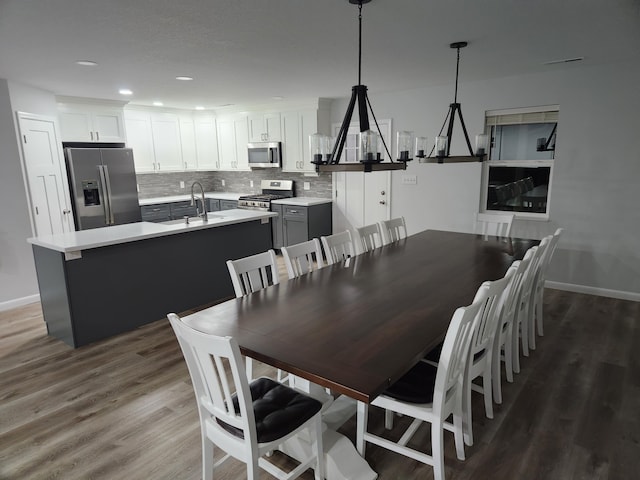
(369, 237)
(495, 224)
(206, 356)
(536, 311)
(299, 259)
(253, 273)
(454, 356)
(393, 230)
(228, 406)
(492, 296)
(338, 247)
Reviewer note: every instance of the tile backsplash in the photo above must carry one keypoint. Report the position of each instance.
(153, 185)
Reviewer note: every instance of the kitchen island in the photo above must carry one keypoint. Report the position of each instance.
(101, 282)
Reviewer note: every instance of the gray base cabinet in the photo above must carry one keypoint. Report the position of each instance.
(296, 224)
(114, 289)
(228, 204)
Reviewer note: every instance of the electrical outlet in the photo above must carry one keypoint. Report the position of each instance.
(223, 182)
(306, 185)
(409, 179)
(251, 183)
(138, 187)
(181, 184)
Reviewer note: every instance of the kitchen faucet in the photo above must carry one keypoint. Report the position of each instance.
(202, 215)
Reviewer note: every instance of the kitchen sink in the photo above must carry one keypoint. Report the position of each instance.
(192, 220)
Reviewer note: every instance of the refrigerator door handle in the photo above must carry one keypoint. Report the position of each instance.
(106, 186)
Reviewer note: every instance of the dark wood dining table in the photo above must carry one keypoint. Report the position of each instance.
(358, 326)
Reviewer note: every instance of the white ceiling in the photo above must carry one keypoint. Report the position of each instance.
(249, 51)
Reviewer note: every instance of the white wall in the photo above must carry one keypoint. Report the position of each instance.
(596, 173)
(18, 282)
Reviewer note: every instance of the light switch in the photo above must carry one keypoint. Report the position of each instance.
(409, 179)
(306, 185)
(181, 184)
(223, 182)
(251, 183)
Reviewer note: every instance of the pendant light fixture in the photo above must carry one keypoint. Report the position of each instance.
(442, 145)
(370, 156)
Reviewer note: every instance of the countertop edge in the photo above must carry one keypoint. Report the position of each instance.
(72, 242)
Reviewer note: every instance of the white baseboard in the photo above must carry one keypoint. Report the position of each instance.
(19, 302)
(601, 292)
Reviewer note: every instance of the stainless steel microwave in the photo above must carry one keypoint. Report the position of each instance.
(265, 154)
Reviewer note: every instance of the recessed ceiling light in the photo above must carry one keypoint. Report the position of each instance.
(158, 104)
(125, 91)
(185, 78)
(278, 97)
(199, 107)
(86, 63)
(564, 60)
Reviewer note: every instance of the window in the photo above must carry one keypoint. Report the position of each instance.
(518, 172)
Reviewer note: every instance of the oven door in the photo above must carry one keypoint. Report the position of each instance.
(264, 154)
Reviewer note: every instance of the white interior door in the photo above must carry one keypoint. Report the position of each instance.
(46, 175)
(360, 198)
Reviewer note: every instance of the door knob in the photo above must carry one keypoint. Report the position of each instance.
(382, 202)
(383, 192)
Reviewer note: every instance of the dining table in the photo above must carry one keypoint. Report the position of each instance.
(357, 326)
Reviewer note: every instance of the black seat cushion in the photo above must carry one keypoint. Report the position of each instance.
(416, 386)
(434, 355)
(278, 410)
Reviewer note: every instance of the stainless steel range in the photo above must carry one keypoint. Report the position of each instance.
(271, 190)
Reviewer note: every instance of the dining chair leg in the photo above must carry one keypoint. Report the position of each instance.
(252, 469)
(437, 450)
(539, 309)
(388, 419)
(466, 415)
(318, 449)
(361, 426)
(207, 458)
(458, 425)
(487, 390)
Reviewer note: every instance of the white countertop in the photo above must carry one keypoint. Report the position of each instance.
(302, 201)
(131, 232)
(187, 197)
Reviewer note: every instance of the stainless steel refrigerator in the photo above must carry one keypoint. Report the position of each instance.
(103, 187)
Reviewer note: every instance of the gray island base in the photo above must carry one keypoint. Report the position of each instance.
(111, 289)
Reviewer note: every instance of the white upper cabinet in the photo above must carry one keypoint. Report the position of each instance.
(206, 143)
(188, 142)
(140, 139)
(165, 128)
(233, 137)
(297, 126)
(88, 122)
(264, 127)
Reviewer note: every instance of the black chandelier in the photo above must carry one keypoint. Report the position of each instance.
(370, 158)
(442, 145)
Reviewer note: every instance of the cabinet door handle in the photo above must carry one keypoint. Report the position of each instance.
(98, 136)
(185, 165)
(293, 211)
(158, 166)
(91, 133)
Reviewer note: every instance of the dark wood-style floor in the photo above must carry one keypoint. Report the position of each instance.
(124, 407)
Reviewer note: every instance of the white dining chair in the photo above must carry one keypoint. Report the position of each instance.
(540, 280)
(253, 421)
(430, 395)
(250, 274)
(302, 258)
(369, 237)
(498, 224)
(492, 296)
(502, 345)
(253, 273)
(338, 247)
(393, 230)
(536, 265)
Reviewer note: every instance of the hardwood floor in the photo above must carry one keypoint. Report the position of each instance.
(124, 407)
